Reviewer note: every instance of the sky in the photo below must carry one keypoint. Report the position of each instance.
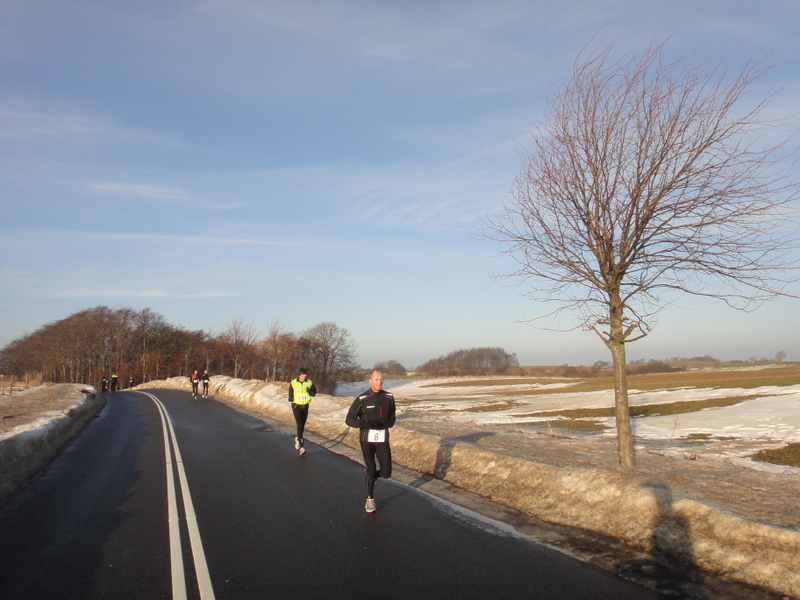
(314, 161)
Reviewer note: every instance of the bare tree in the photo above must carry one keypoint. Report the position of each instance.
(277, 349)
(473, 361)
(390, 367)
(329, 353)
(645, 180)
(238, 342)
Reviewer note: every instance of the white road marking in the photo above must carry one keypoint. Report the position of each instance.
(171, 450)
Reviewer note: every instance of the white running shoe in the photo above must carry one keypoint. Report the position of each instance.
(297, 443)
(370, 505)
(302, 451)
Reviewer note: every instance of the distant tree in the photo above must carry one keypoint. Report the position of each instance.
(473, 361)
(652, 366)
(149, 329)
(390, 367)
(328, 352)
(278, 349)
(90, 344)
(238, 343)
(648, 178)
(780, 355)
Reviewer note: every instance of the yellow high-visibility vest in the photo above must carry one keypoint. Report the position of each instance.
(301, 391)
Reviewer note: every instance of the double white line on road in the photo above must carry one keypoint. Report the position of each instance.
(173, 458)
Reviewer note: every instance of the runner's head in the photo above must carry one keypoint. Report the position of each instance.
(375, 381)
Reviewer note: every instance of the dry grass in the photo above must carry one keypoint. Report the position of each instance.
(787, 455)
(747, 378)
(648, 410)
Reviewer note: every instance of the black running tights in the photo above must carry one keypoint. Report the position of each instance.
(383, 453)
(300, 416)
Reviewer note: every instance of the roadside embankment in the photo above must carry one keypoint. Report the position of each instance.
(617, 503)
(27, 449)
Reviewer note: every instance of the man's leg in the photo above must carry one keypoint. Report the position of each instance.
(300, 417)
(368, 451)
(384, 454)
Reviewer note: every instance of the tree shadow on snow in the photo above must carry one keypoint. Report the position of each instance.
(672, 566)
(444, 456)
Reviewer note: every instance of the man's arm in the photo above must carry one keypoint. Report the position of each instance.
(353, 418)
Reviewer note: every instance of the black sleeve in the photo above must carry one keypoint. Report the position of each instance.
(291, 393)
(391, 416)
(312, 390)
(354, 414)
(386, 415)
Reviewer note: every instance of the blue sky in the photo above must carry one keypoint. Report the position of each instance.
(308, 161)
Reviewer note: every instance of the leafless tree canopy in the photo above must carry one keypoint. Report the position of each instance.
(97, 342)
(390, 368)
(648, 177)
(239, 342)
(330, 355)
(472, 361)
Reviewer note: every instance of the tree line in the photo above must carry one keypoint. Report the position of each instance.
(98, 342)
(472, 361)
(140, 344)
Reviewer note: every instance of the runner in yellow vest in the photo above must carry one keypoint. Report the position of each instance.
(301, 390)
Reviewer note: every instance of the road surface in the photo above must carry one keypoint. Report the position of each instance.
(163, 496)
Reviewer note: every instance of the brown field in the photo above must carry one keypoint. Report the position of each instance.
(746, 377)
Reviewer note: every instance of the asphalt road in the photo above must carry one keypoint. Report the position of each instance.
(163, 496)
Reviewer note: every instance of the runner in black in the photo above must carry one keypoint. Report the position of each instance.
(205, 378)
(373, 413)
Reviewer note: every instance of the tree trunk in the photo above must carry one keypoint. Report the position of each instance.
(616, 344)
(622, 411)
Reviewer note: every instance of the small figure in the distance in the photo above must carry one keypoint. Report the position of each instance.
(195, 379)
(205, 378)
(301, 390)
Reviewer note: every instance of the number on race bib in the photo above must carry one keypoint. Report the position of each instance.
(376, 436)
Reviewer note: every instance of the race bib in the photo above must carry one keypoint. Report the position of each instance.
(376, 436)
(302, 397)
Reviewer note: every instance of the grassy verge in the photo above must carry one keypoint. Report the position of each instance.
(787, 455)
(649, 410)
(706, 378)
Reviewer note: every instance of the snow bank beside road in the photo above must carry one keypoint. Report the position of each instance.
(26, 449)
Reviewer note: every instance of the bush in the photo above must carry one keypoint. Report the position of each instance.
(475, 361)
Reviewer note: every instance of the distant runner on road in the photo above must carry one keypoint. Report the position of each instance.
(301, 390)
(195, 379)
(205, 378)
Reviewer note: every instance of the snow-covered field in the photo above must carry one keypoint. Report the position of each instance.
(770, 419)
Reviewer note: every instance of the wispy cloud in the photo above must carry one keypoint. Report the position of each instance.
(195, 239)
(146, 191)
(54, 125)
(123, 293)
